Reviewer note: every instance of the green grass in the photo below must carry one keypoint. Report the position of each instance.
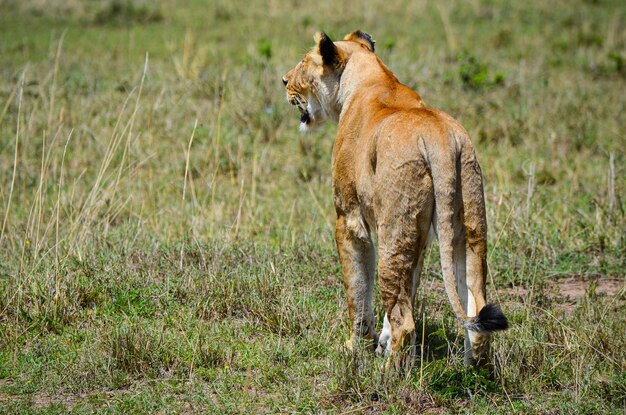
(166, 241)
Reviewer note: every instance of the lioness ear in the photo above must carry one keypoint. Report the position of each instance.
(327, 50)
(361, 37)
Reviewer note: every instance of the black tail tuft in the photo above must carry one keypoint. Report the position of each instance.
(490, 318)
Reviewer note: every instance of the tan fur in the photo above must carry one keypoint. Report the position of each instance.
(398, 168)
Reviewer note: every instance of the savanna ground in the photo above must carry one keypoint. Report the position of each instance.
(166, 232)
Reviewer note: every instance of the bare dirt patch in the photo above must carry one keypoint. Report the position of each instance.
(567, 289)
(68, 400)
(576, 287)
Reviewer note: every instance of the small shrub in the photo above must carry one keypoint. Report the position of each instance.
(589, 39)
(475, 74)
(307, 21)
(617, 60)
(119, 12)
(265, 49)
(389, 43)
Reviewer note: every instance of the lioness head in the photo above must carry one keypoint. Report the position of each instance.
(313, 84)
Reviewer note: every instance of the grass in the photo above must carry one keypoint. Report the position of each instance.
(166, 240)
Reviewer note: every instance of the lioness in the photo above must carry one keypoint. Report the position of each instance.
(399, 169)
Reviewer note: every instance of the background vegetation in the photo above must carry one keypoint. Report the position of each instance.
(166, 233)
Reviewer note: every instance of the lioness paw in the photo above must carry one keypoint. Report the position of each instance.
(384, 341)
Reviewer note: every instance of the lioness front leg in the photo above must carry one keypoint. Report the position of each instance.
(356, 254)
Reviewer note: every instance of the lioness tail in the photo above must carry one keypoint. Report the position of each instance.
(455, 161)
(489, 319)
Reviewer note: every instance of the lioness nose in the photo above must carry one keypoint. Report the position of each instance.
(284, 81)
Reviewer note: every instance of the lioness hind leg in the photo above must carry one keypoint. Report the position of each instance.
(358, 264)
(399, 266)
(474, 245)
(470, 273)
(395, 283)
(476, 344)
(384, 341)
